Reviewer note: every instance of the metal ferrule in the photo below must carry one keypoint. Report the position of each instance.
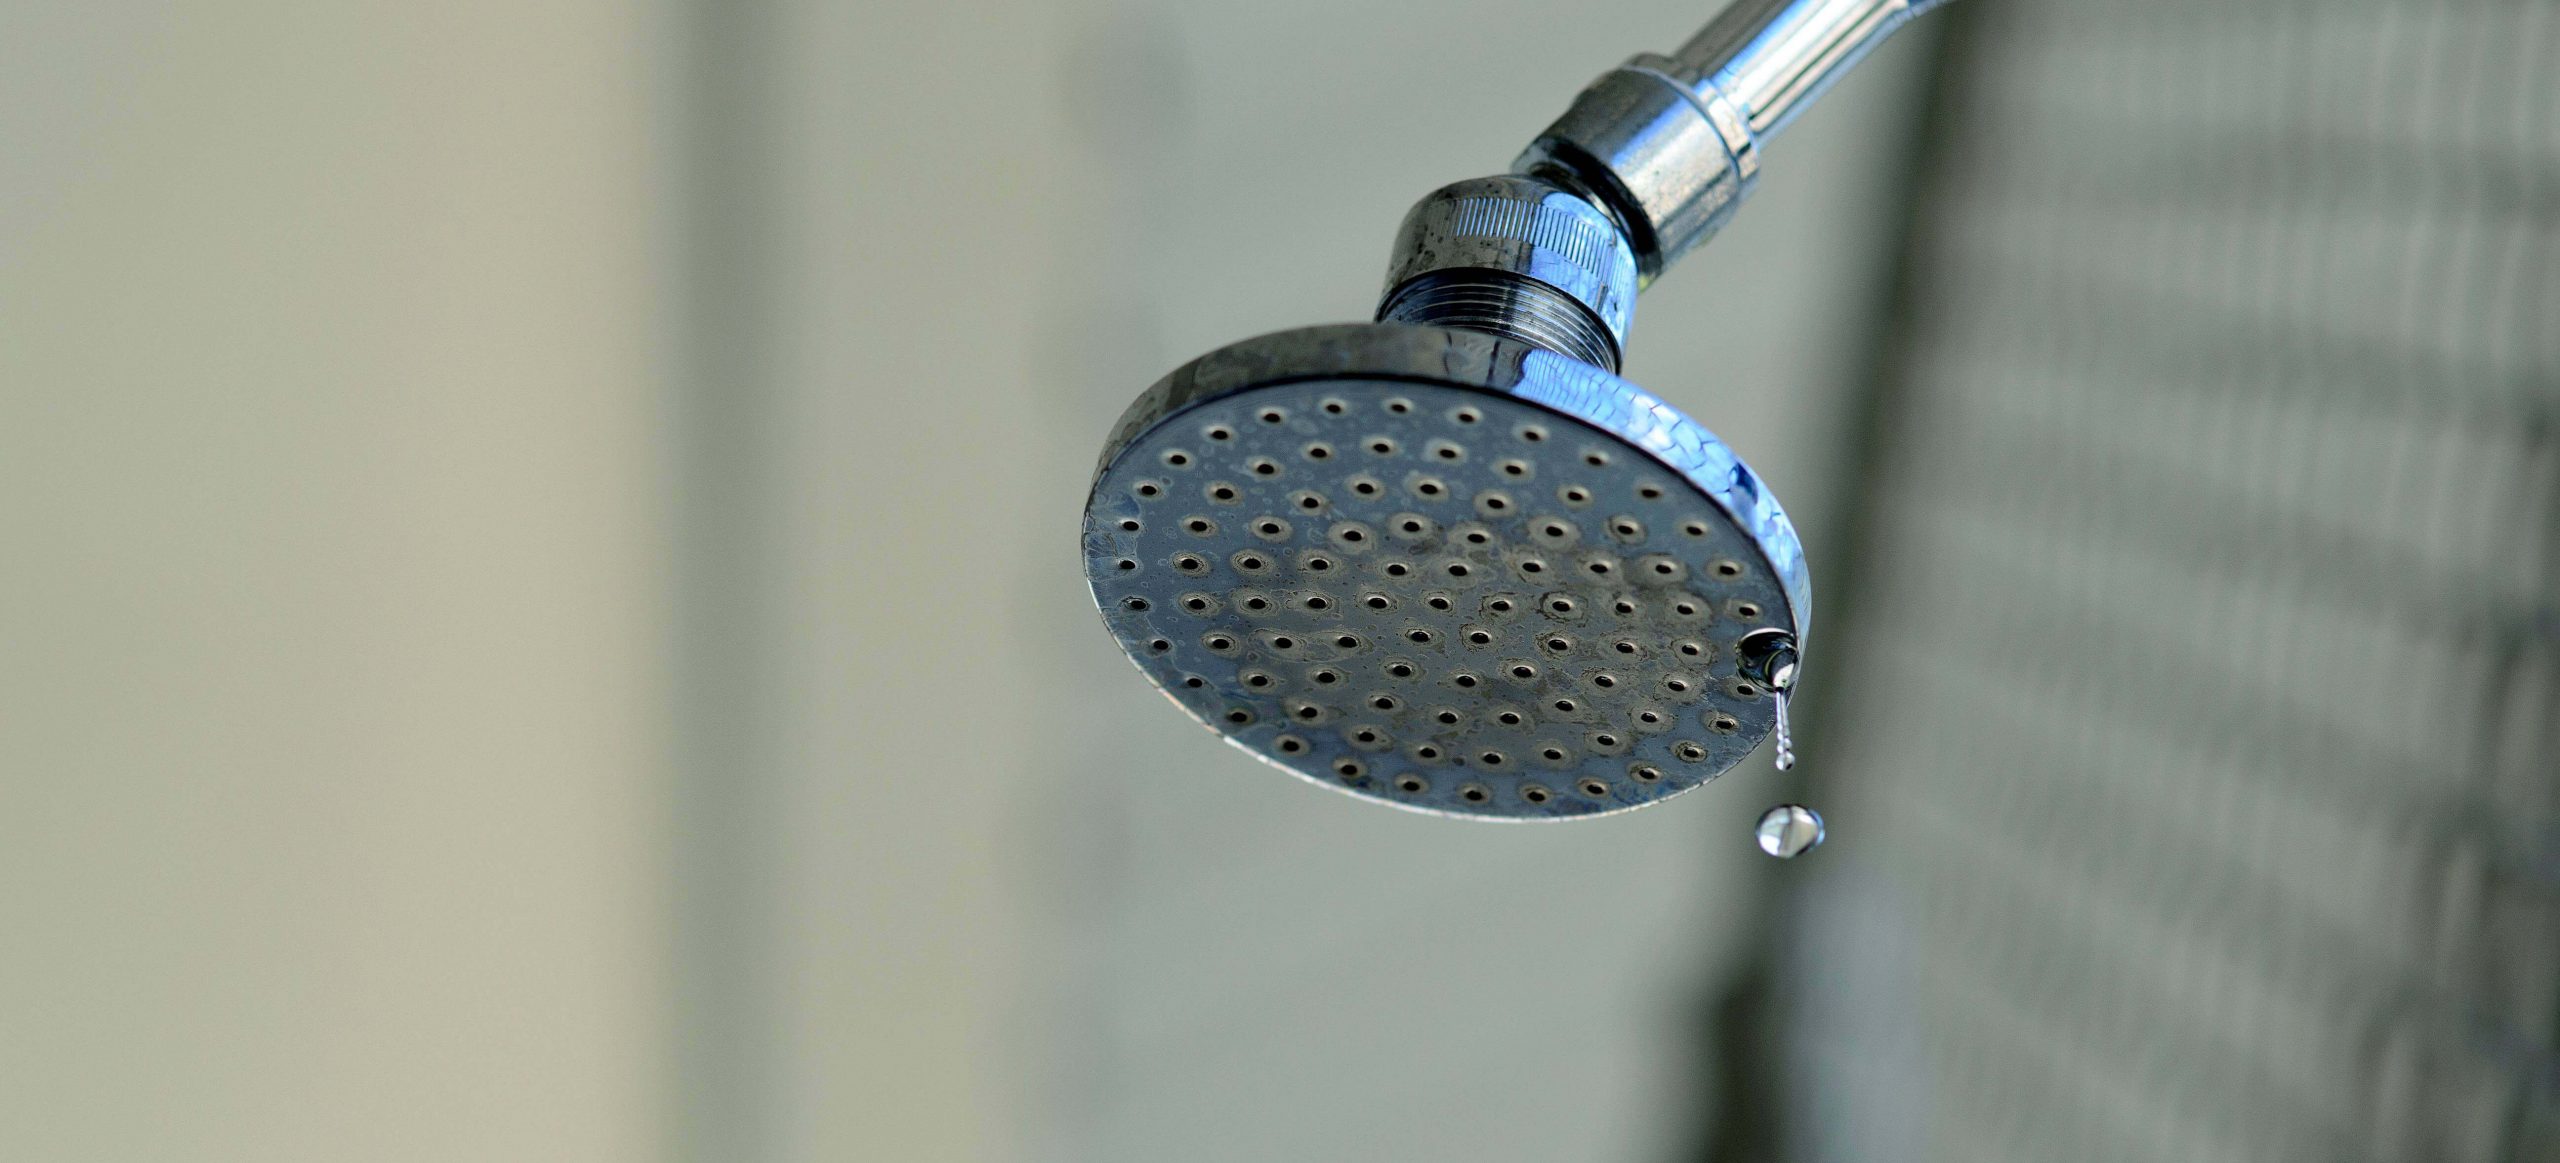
(1673, 163)
(1673, 143)
(1647, 163)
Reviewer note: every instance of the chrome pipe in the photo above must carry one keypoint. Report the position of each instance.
(1771, 58)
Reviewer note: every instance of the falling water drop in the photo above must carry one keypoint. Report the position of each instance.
(1789, 830)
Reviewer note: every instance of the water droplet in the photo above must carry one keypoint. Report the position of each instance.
(1789, 830)
(1786, 732)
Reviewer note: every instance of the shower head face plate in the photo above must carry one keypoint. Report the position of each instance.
(1444, 571)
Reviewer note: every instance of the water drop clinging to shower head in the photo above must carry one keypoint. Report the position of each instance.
(1449, 560)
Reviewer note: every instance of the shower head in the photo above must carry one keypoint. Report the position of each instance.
(1449, 560)
(1444, 569)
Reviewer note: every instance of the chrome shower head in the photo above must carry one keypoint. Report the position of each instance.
(1442, 569)
(1449, 560)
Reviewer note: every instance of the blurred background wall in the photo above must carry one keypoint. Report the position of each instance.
(334, 547)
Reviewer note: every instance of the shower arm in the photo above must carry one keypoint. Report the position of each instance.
(1649, 161)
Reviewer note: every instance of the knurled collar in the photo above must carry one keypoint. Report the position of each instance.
(1523, 226)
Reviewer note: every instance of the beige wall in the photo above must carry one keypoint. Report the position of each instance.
(330, 575)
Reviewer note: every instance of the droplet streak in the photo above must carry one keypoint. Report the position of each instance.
(1785, 733)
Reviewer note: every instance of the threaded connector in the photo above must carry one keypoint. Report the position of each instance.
(1500, 303)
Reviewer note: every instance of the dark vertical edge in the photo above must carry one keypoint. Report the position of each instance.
(716, 112)
(1743, 1021)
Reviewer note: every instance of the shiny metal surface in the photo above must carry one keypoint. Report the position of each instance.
(1515, 225)
(1446, 571)
(1674, 142)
